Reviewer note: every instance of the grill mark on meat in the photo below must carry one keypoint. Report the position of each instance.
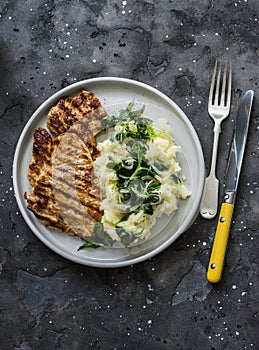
(70, 110)
(41, 151)
(44, 192)
(42, 202)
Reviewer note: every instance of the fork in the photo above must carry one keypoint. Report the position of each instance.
(218, 108)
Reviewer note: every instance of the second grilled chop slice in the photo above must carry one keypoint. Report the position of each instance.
(65, 196)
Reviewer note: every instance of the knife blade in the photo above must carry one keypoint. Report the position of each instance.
(216, 263)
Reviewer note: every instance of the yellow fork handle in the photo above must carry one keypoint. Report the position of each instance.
(217, 257)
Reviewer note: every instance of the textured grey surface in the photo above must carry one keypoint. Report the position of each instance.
(47, 302)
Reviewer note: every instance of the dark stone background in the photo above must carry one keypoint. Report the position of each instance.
(48, 302)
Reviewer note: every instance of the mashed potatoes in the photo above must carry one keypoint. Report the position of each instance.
(139, 176)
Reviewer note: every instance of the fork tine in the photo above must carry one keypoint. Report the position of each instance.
(212, 84)
(229, 85)
(223, 92)
(216, 100)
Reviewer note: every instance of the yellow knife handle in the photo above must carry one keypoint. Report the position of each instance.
(217, 257)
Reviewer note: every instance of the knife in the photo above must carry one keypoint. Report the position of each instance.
(232, 175)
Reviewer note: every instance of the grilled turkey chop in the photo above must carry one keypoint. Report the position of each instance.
(65, 195)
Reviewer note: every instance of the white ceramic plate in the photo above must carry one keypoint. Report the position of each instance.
(114, 94)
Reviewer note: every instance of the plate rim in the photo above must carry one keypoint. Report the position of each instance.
(62, 92)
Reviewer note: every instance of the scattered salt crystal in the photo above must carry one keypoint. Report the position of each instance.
(150, 287)
(234, 287)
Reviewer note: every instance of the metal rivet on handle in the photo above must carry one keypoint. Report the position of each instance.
(222, 219)
(213, 266)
